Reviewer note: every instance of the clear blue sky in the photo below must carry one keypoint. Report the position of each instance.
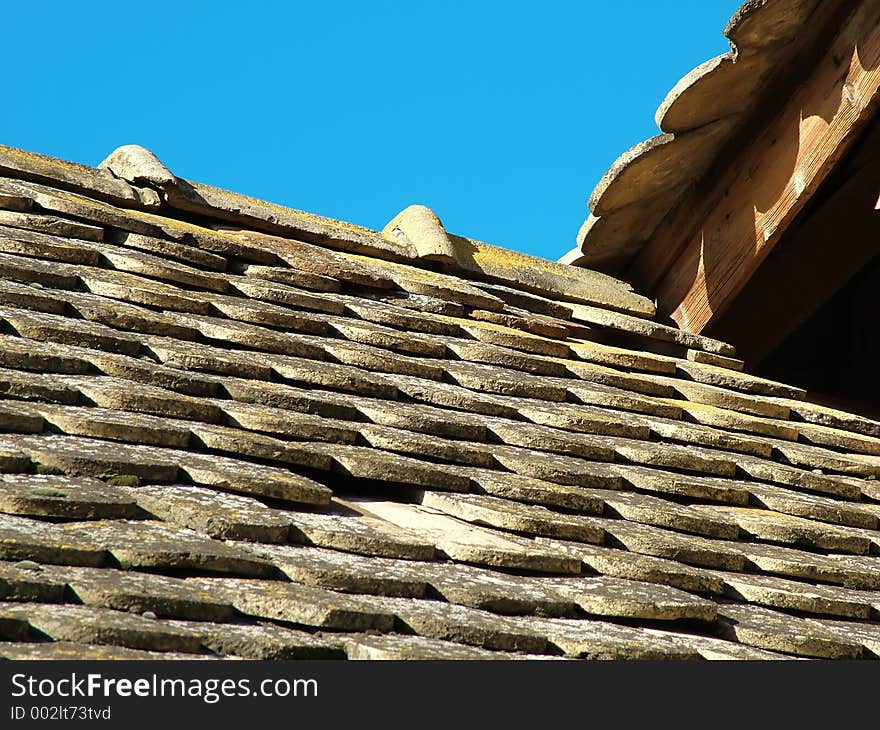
(501, 116)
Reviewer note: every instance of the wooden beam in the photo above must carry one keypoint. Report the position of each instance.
(703, 254)
(827, 246)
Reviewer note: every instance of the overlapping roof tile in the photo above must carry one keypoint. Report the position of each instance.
(234, 429)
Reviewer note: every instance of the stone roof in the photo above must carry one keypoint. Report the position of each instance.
(231, 428)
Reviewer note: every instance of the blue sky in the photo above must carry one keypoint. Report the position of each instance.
(501, 116)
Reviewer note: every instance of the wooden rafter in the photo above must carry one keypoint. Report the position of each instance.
(700, 257)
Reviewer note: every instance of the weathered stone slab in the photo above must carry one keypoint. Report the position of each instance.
(137, 262)
(866, 634)
(279, 395)
(504, 357)
(361, 535)
(711, 648)
(557, 468)
(35, 386)
(20, 353)
(300, 604)
(607, 396)
(502, 381)
(776, 527)
(601, 640)
(609, 596)
(147, 545)
(647, 328)
(167, 248)
(62, 497)
(713, 489)
(661, 543)
(545, 438)
(650, 510)
(690, 433)
(413, 443)
(528, 301)
(798, 596)
(71, 650)
(343, 571)
(34, 271)
(25, 539)
(276, 293)
(361, 462)
(217, 514)
(12, 626)
(515, 516)
(32, 166)
(197, 356)
(671, 456)
(497, 592)
(333, 376)
(398, 647)
(525, 321)
(388, 338)
(241, 476)
(251, 336)
(814, 507)
(90, 457)
(447, 395)
(315, 260)
(130, 317)
(28, 296)
(446, 621)
(402, 313)
(776, 631)
(66, 330)
(90, 625)
(126, 287)
(376, 359)
(584, 419)
(135, 592)
(777, 473)
(27, 581)
(149, 373)
(263, 641)
(18, 417)
(115, 425)
(637, 567)
(22, 242)
(288, 423)
(851, 571)
(119, 394)
(264, 313)
(534, 491)
(293, 277)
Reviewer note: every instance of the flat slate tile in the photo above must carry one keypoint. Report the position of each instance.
(148, 545)
(61, 497)
(515, 516)
(300, 604)
(136, 592)
(344, 572)
(217, 514)
(30, 582)
(22, 538)
(90, 625)
(775, 631)
(358, 534)
(263, 640)
(401, 647)
(638, 567)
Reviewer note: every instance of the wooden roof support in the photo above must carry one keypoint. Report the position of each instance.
(702, 255)
(828, 245)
